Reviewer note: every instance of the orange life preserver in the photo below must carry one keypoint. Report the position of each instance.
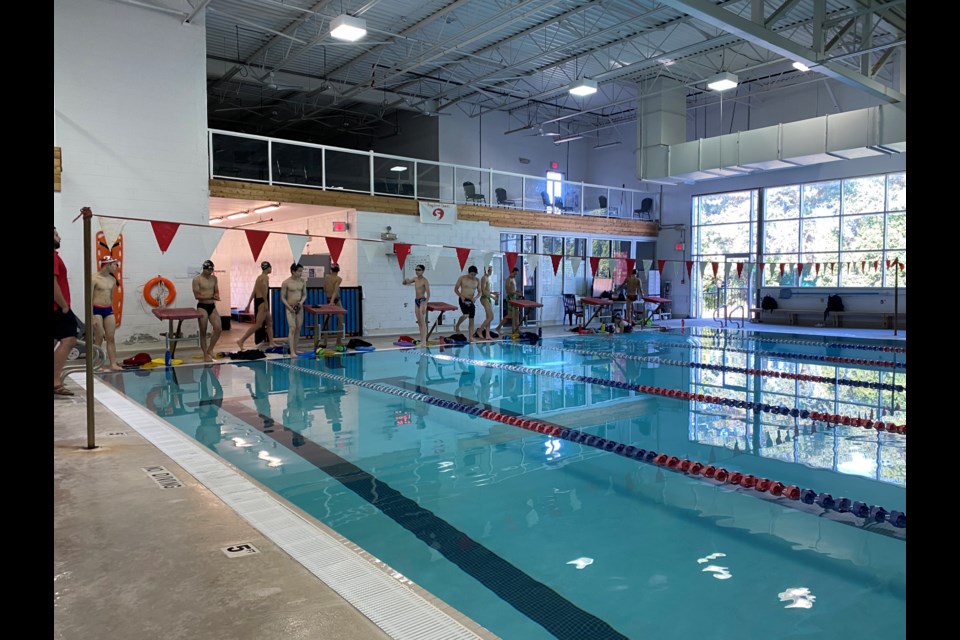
(148, 291)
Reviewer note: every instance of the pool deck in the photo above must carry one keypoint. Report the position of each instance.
(132, 559)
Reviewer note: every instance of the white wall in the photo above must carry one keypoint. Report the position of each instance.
(130, 116)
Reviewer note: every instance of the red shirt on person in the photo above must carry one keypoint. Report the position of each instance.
(60, 273)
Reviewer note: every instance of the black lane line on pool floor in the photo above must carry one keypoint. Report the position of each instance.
(533, 599)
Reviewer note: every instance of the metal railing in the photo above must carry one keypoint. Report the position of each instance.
(251, 158)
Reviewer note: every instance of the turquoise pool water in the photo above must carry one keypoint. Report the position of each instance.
(536, 535)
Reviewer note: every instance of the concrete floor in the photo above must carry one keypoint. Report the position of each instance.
(132, 560)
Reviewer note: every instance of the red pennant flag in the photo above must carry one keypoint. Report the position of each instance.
(511, 260)
(256, 240)
(903, 265)
(164, 232)
(556, 259)
(863, 266)
(876, 265)
(631, 263)
(782, 265)
(816, 267)
(660, 264)
(462, 255)
(832, 266)
(402, 249)
(762, 265)
(799, 269)
(594, 264)
(888, 263)
(714, 265)
(740, 270)
(689, 268)
(334, 246)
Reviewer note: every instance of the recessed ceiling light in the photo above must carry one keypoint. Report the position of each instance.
(722, 82)
(583, 87)
(348, 28)
(799, 66)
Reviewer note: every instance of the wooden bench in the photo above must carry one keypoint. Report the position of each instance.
(792, 315)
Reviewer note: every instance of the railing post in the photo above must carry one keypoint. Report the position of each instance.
(270, 161)
(88, 319)
(371, 171)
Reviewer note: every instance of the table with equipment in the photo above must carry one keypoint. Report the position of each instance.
(442, 307)
(523, 305)
(174, 336)
(325, 311)
(645, 315)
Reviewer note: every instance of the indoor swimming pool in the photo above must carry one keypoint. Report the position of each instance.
(655, 484)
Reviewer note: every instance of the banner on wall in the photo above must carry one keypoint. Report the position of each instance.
(437, 213)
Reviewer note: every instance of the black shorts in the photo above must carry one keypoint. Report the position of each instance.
(468, 308)
(64, 325)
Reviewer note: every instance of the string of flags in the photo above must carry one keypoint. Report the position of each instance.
(165, 232)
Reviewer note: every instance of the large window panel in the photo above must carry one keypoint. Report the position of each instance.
(858, 269)
(897, 192)
(782, 203)
(896, 233)
(781, 237)
(725, 238)
(862, 233)
(864, 195)
(821, 199)
(820, 234)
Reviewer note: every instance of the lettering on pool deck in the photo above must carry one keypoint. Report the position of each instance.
(239, 550)
(533, 599)
(163, 478)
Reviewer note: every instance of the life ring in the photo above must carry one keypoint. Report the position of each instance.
(148, 291)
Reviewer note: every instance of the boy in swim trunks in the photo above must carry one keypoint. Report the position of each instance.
(633, 290)
(262, 320)
(331, 286)
(293, 292)
(466, 291)
(511, 286)
(487, 296)
(422, 292)
(104, 322)
(206, 290)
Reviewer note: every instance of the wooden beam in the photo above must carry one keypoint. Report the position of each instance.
(495, 216)
(56, 169)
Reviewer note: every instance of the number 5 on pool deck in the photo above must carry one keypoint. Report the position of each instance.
(239, 550)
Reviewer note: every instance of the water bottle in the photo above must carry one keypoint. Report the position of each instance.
(166, 358)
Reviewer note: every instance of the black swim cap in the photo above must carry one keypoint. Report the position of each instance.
(207, 264)
(264, 265)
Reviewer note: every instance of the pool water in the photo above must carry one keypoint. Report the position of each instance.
(534, 535)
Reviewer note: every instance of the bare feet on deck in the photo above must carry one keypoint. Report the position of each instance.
(240, 344)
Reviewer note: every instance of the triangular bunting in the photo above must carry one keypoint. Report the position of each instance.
(646, 265)
(740, 270)
(726, 270)
(714, 265)
(660, 265)
(631, 264)
(111, 229)
(832, 266)
(876, 264)
(799, 270)
(162, 231)
(511, 260)
(703, 269)
(433, 254)
(903, 265)
(782, 267)
(677, 268)
(370, 250)
(334, 246)
(863, 266)
(297, 243)
(485, 259)
(556, 259)
(209, 239)
(689, 268)
(256, 240)
(889, 262)
(816, 268)
(402, 249)
(575, 264)
(594, 264)
(762, 265)
(462, 255)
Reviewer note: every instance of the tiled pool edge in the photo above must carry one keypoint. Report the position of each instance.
(362, 580)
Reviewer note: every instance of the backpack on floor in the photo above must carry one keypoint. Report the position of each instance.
(768, 303)
(834, 303)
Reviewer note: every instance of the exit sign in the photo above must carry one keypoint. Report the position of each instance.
(678, 246)
(340, 226)
(554, 165)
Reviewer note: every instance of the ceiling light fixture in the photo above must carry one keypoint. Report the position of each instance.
(799, 66)
(607, 145)
(583, 87)
(216, 220)
(526, 128)
(348, 28)
(567, 139)
(269, 207)
(238, 214)
(398, 168)
(722, 82)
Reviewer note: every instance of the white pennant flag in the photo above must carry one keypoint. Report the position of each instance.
(677, 270)
(703, 269)
(726, 270)
(646, 265)
(433, 253)
(575, 263)
(297, 243)
(209, 239)
(370, 249)
(485, 259)
(111, 229)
